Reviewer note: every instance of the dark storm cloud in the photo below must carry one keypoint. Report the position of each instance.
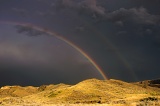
(139, 15)
(86, 6)
(21, 53)
(133, 15)
(48, 13)
(41, 63)
(80, 28)
(92, 6)
(138, 21)
(29, 30)
(147, 3)
(132, 26)
(21, 12)
(41, 59)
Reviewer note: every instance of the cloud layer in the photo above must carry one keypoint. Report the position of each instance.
(29, 30)
(120, 35)
(134, 16)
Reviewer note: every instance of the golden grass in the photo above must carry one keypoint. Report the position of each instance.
(90, 92)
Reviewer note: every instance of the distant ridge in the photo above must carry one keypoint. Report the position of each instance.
(155, 81)
(152, 83)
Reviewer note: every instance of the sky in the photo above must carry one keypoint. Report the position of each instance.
(122, 37)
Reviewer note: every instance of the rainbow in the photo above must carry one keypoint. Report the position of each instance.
(111, 45)
(58, 36)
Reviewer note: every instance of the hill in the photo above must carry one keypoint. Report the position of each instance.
(91, 91)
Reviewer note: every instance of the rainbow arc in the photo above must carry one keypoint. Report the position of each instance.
(58, 36)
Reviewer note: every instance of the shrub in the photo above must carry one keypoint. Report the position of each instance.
(145, 84)
(42, 88)
(149, 99)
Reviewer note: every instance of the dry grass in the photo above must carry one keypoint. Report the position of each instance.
(131, 104)
(90, 92)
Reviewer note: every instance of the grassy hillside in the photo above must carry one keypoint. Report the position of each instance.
(90, 91)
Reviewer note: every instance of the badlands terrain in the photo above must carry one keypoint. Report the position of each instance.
(91, 92)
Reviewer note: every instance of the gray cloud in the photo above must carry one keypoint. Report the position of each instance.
(22, 53)
(92, 6)
(48, 13)
(121, 23)
(21, 12)
(87, 6)
(128, 18)
(121, 33)
(80, 28)
(28, 30)
(68, 3)
(138, 22)
(134, 15)
(41, 59)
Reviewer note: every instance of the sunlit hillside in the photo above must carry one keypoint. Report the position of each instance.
(90, 92)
